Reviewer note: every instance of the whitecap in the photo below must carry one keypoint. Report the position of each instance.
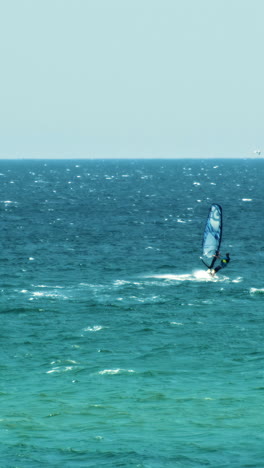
(256, 290)
(71, 361)
(121, 282)
(247, 199)
(237, 280)
(173, 277)
(94, 328)
(54, 295)
(115, 371)
(198, 275)
(60, 369)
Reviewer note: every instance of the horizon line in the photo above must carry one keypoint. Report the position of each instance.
(88, 158)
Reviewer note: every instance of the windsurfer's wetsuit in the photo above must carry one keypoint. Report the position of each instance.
(224, 263)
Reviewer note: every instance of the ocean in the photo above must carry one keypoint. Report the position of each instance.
(117, 348)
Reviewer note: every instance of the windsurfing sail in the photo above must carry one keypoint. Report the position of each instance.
(212, 235)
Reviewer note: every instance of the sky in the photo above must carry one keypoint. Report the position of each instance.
(131, 78)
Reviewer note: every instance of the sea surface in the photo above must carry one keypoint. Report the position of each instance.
(117, 348)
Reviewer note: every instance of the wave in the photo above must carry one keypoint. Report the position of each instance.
(95, 328)
(115, 371)
(62, 366)
(256, 290)
(197, 275)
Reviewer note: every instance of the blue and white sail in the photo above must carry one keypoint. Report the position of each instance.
(212, 235)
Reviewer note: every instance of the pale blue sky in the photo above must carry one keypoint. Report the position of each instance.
(131, 78)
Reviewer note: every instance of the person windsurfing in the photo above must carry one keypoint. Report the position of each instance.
(224, 263)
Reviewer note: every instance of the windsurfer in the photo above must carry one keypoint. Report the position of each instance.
(224, 263)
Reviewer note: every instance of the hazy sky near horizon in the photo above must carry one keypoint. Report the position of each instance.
(131, 78)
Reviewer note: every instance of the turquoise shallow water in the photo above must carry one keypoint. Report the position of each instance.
(117, 348)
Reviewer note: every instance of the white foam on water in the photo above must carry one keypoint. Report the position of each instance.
(256, 290)
(237, 280)
(198, 275)
(95, 328)
(48, 294)
(8, 202)
(54, 294)
(115, 371)
(60, 369)
(69, 365)
(121, 282)
(172, 277)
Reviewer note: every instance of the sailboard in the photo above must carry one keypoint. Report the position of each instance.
(212, 235)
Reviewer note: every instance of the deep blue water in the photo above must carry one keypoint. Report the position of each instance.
(118, 350)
